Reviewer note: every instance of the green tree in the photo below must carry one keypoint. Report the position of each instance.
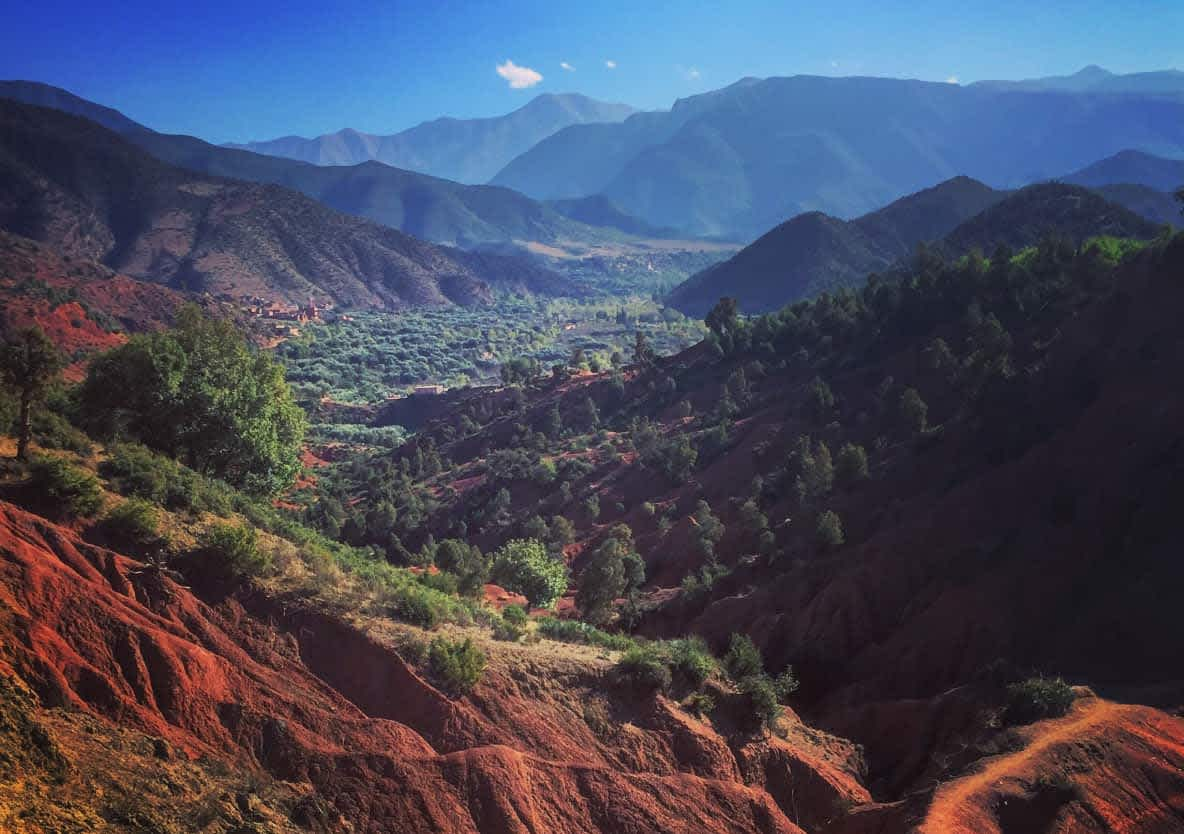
(466, 562)
(723, 317)
(914, 413)
(851, 464)
(643, 354)
(199, 393)
(614, 571)
(524, 567)
(829, 530)
(29, 364)
(820, 400)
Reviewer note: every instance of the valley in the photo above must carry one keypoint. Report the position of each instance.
(802, 458)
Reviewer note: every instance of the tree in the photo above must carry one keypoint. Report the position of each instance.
(29, 364)
(820, 400)
(465, 561)
(914, 413)
(851, 465)
(813, 469)
(199, 393)
(643, 354)
(614, 571)
(524, 567)
(829, 530)
(723, 317)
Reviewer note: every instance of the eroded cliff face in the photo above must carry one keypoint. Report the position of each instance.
(127, 695)
(545, 743)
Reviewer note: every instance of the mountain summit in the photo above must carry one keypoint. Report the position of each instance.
(465, 150)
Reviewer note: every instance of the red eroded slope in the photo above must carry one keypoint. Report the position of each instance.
(92, 630)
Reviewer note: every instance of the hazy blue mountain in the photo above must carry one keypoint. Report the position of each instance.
(1157, 206)
(1132, 168)
(814, 253)
(87, 191)
(599, 210)
(1096, 79)
(46, 95)
(465, 150)
(434, 209)
(737, 161)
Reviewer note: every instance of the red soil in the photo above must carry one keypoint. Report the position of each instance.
(90, 630)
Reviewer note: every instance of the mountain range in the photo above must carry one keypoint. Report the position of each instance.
(87, 192)
(738, 161)
(427, 207)
(464, 150)
(814, 252)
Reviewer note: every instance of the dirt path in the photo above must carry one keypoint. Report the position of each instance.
(955, 809)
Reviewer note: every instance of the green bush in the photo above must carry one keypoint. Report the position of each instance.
(135, 470)
(53, 431)
(135, 520)
(645, 669)
(511, 625)
(458, 666)
(699, 704)
(524, 567)
(1037, 698)
(232, 551)
(743, 658)
(760, 694)
(413, 604)
(515, 615)
(851, 464)
(575, 631)
(75, 490)
(691, 661)
(443, 581)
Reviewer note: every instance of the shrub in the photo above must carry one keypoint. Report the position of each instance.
(443, 582)
(458, 665)
(232, 551)
(135, 520)
(466, 562)
(511, 625)
(415, 605)
(699, 704)
(645, 669)
(691, 661)
(135, 470)
(523, 566)
(53, 431)
(761, 696)
(74, 489)
(1037, 698)
(914, 413)
(574, 631)
(743, 658)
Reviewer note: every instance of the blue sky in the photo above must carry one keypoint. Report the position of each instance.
(229, 71)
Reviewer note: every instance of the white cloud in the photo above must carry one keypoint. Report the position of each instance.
(687, 73)
(692, 74)
(565, 65)
(611, 64)
(519, 77)
(953, 79)
(834, 64)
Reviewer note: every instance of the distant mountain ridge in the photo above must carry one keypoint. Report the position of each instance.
(82, 189)
(465, 150)
(1132, 168)
(814, 253)
(737, 161)
(1096, 79)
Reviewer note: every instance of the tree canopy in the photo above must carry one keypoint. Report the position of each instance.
(199, 393)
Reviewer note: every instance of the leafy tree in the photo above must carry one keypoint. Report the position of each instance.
(813, 470)
(723, 317)
(466, 562)
(523, 566)
(200, 394)
(615, 570)
(851, 464)
(820, 400)
(710, 528)
(914, 413)
(743, 658)
(829, 530)
(29, 364)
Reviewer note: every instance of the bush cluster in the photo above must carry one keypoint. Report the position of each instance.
(459, 666)
(75, 490)
(1037, 698)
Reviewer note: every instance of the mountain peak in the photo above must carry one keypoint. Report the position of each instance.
(1093, 71)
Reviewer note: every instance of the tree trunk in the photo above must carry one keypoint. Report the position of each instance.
(25, 429)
